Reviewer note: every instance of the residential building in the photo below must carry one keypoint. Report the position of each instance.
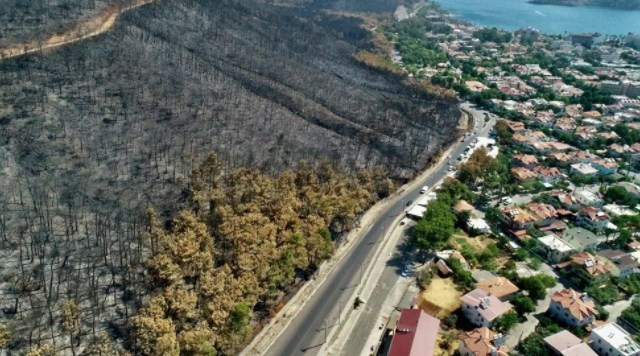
(515, 126)
(584, 39)
(592, 218)
(605, 166)
(616, 150)
(556, 250)
(482, 342)
(612, 340)
(522, 174)
(572, 308)
(518, 218)
(524, 160)
(622, 263)
(564, 343)
(443, 268)
(545, 214)
(500, 287)
(475, 86)
(556, 146)
(462, 206)
(415, 334)
(631, 188)
(589, 198)
(583, 169)
(481, 308)
(478, 226)
(567, 200)
(582, 239)
(565, 125)
(548, 174)
(617, 210)
(587, 267)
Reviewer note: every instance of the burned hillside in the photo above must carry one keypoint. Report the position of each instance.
(93, 133)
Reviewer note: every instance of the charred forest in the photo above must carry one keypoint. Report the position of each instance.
(95, 132)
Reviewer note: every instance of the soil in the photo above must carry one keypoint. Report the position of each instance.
(440, 299)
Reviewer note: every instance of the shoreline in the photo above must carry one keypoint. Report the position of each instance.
(483, 16)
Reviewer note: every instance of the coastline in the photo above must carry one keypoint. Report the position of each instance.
(552, 19)
(604, 4)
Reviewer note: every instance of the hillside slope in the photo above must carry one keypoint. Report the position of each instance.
(93, 133)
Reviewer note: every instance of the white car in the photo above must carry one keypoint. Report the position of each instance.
(424, 189)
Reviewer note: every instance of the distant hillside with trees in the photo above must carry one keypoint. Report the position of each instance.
(616, 4)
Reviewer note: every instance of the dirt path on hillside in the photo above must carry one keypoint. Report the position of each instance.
(82, 30)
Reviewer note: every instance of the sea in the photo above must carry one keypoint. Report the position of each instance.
(550, 19)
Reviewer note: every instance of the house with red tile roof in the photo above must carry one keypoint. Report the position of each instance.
(573, 308)
(500, 287)
(524, 160)
(587, 267)
(548, 174)
(565, 125)
(522, 174)
(515, 126)
(415, 334)
(592, 218)
(545, 214)
(482, 342)
(518, 218)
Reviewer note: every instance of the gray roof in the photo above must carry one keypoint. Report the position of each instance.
(581, 238)
(620, 259)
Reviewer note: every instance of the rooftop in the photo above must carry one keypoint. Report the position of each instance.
(617, 337)
(462, 206)
(620, 259)
(415, 334)
(498, 286)
(553, 242)
(594, 266)
(581, 238)
(566, 344)
(584, 168)
(576, 303)
(484, 342)
(489, 306)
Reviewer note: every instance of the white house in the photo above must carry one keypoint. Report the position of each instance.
(612, 340)
(556, 249)
(617, 210)
(586, 197)
(478, 225)
(482, 308)
(583, 169)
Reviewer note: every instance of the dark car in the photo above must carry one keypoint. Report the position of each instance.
(409, 202)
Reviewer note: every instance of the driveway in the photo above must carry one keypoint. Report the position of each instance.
(523, 330)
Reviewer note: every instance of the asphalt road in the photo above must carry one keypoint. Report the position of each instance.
(306, 332)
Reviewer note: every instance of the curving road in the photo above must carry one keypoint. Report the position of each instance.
(306, 332)
(84, 29)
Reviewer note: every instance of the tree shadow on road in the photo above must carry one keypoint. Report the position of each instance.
(404, 255)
